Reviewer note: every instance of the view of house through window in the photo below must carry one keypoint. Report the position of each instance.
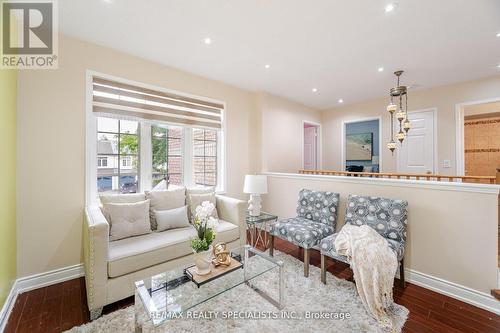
(117, 155)
(205, 157)
(167, 154)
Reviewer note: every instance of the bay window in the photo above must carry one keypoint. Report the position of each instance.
(147, 138)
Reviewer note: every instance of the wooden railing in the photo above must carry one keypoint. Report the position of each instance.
(414, 176)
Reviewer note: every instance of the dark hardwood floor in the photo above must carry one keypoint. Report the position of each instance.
(59, 307)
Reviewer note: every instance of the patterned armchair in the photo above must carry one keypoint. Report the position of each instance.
(387, 216)
(316, 219)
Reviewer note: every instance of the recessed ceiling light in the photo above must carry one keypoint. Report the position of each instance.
(314, 89)
(498, 34)
(207, 41)
(380, 69)
(498, 66)
(341, 101)
(267, 66)
(390, 7)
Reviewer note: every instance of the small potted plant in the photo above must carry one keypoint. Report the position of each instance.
(205, 224)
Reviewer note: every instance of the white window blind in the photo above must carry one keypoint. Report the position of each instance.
(115, 98)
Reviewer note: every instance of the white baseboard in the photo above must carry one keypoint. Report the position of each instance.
(7, 306)
(28, 283)
(454, 290)
(36, 281)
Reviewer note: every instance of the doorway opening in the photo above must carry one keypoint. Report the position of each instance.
(481, 139)
(361, 145)
(311, 145)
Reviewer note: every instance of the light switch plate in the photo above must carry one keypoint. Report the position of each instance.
(446, 163)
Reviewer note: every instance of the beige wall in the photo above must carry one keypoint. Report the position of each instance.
(458, 245)
(443, 98)
(282, 132)
(51, 145)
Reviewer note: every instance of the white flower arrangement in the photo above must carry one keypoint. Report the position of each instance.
(205, 225)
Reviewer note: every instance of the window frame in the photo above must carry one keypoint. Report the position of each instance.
(145, 146)
(121, 157)
(167, 138)
(205, 156)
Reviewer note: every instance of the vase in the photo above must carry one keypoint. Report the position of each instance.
(203, 260)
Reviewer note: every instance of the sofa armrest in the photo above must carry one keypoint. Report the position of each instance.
(95, 250)
(234, 211)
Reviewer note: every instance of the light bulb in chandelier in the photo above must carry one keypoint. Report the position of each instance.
(391, 108)
(400, 136)
(406, 125)
(392, 146)
(400, 115)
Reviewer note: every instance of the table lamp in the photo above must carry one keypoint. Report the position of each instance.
(255, 185)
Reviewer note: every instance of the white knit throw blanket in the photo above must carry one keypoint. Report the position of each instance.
(374, 266)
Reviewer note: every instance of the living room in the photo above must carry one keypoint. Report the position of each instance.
(259, 101)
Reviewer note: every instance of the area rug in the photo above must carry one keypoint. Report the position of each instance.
(310, 306)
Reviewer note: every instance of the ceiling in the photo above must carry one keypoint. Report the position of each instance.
(335, 46)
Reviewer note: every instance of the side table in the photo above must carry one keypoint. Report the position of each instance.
(258, 224)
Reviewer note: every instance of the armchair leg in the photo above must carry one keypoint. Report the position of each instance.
(323, 269)
(402, 273)
(271, 245)
(306, 262)
(95, 313)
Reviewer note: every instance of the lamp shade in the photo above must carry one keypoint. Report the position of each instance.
(255, 184)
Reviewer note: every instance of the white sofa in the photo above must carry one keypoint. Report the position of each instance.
(113, 267)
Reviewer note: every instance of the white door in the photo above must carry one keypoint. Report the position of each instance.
(310, 147)
(417, 153)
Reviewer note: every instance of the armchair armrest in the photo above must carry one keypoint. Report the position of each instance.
(233, 210)
(95, 250)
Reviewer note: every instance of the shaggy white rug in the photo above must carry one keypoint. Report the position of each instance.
(305, 298)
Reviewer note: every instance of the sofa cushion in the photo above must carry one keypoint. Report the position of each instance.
(118, 198)
(171, 218)
(128, 219)
(135, 253)
(163, 200)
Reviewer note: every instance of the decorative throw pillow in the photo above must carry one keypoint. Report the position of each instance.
(194, 200)
(171, 218)
(164, 200)
(128, 219)
(118, 198)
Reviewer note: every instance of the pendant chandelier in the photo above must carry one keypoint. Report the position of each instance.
(398, 108)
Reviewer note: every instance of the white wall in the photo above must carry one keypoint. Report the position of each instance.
(452, 227)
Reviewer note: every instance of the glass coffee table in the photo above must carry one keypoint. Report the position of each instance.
(166, 296)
